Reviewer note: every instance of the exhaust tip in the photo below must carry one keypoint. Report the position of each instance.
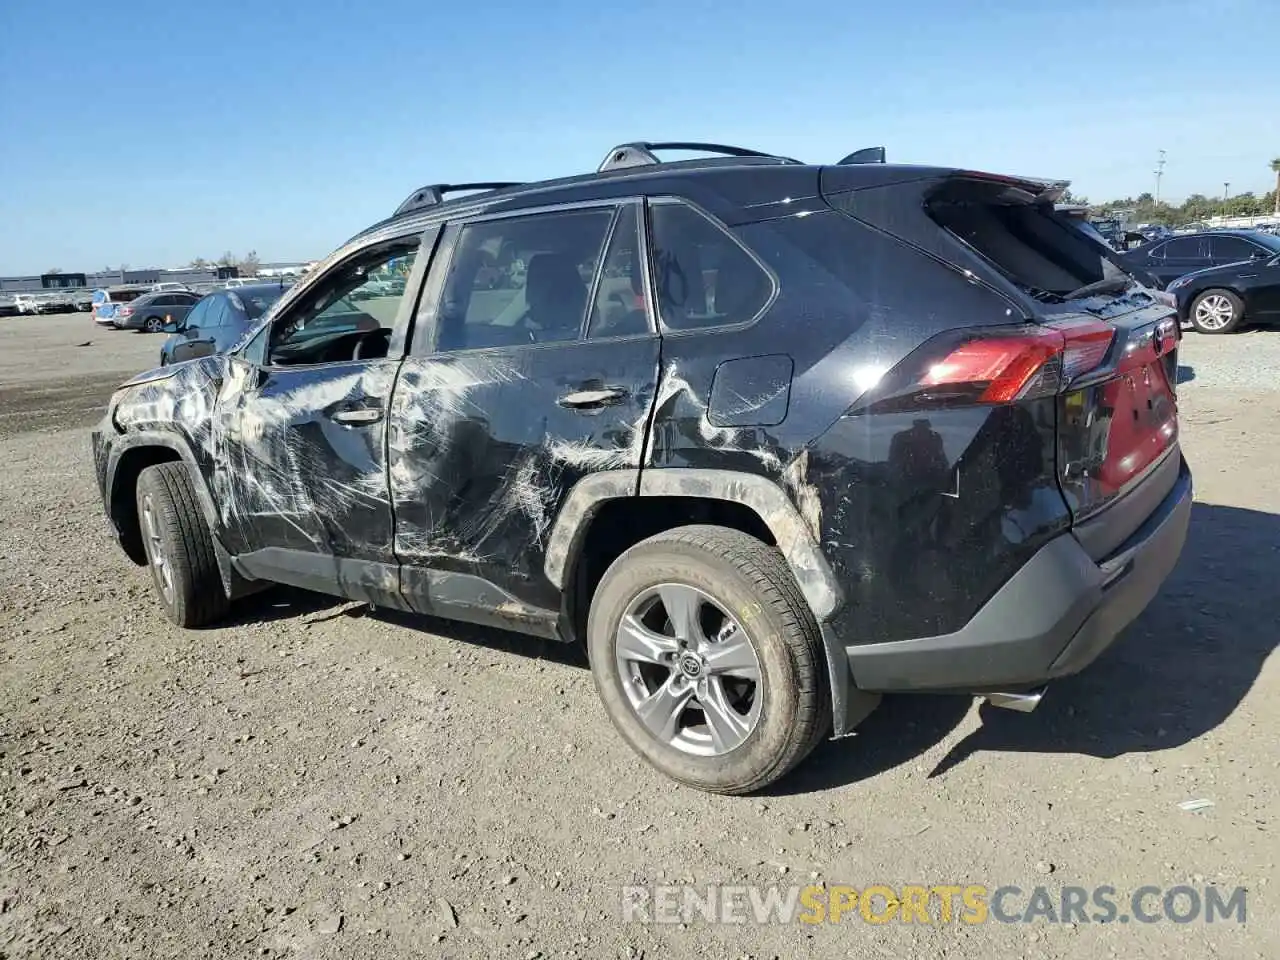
(1022, 702)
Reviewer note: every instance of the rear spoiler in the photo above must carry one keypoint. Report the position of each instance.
(1020, 189)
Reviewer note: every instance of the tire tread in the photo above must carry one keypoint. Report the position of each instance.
(200, 596)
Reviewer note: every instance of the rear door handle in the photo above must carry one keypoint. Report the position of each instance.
(590, 399)
(355, 418)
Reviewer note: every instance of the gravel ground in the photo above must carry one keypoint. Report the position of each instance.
(310, 783)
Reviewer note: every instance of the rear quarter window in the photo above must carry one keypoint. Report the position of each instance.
(703, 275)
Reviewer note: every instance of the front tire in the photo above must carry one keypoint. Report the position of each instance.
(708, 660)
(1216, 311)
(179, 546)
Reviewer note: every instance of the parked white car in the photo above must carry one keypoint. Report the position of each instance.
(26, 303)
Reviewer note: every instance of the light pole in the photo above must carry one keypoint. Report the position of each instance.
(1226, 188)
(1159, 174)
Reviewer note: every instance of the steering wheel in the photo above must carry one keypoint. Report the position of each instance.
(365, 345)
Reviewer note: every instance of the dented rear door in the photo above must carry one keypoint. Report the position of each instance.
(486, 438)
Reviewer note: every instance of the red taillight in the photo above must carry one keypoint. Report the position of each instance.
(125, 311)
(1003, 367)
(1086, 346)
(992, 366)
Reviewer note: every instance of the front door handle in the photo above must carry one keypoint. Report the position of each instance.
(357, 418)
(591, 399)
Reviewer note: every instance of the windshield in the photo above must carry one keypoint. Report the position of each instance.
(1268, 240)
(256, 302)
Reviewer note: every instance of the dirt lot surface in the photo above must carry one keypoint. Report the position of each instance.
(306, 783)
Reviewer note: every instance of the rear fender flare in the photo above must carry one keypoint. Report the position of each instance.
(767, 500)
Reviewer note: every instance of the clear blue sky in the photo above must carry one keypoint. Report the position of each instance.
(152, 132)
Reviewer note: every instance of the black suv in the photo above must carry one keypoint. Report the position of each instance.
(769, 438)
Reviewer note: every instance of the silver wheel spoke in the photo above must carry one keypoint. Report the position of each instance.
(732, 656)
(1214, 312)
(728, 727)
(636, 642)
(155, 549)
(668, 661)
(682, 604)
(660, 712)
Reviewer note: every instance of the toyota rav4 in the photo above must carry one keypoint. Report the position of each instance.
(769, 439)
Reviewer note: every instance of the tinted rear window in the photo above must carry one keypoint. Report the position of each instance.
(1040, 250)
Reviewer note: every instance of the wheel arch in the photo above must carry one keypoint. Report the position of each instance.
(681, 496)
(721, 490)
(129, 457)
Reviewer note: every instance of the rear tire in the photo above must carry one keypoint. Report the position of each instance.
(152, 325)
(743, 592)
(1216, 311)
(179, 546)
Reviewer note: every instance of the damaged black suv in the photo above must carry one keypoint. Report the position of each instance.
(769, 438)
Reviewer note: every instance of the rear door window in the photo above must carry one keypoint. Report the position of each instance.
(1187, 248)
(1232, 249)
(702, 275)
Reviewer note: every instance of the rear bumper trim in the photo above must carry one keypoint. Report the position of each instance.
(1051, 619)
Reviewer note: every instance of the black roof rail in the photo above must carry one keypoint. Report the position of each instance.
(867, 155)
(642, 153)
(433, 193)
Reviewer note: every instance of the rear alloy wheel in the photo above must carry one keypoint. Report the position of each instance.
(689, 670)
(1217, 311)
(153, 325)
(708, 659)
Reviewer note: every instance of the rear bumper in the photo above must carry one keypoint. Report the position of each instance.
(1051, 619)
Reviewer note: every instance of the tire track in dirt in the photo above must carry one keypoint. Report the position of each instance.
(55, 404)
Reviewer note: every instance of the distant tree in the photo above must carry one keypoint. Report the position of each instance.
(248, 266)
(1069, 197)
(199, 263)
(1275, 168)
(228, 259)
(1145, 198)
(54, 270)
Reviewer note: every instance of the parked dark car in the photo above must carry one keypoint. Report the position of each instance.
(1077, 214)
(217, 321)
(1167, 260)
(151, 313)
(769, 438)
(1223, 299)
